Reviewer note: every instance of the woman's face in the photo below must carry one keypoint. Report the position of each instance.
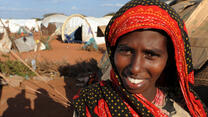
(140, 58)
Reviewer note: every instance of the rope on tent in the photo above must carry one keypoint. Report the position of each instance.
(68, 19)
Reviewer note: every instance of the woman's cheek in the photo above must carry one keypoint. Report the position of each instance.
(157, 68)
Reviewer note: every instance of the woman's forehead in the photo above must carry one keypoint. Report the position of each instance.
(147, 39)
(148, 34)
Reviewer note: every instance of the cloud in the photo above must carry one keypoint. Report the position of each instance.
(52, 1)
(58, 1)
(14, 9)
(74, 8)
(112, 5)
(24, 10)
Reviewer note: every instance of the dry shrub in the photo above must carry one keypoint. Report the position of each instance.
(10, 67)
(49, 68)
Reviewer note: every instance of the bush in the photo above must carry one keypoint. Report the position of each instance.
(10, 67)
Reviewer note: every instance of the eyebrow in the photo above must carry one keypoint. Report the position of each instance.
(123, 46)
(154, 50)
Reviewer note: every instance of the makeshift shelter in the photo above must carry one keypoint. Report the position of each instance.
(196, 18)
(48, 30)
(101, 31)
(25, 44)
(15, 24)
(24, 30)
(75, 36)
(88, 25)
(5, 43)
(51, 23)
(57, 19)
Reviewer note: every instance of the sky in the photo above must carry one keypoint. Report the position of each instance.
(27, 9)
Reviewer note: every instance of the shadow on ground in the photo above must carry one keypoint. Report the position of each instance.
(45, 106)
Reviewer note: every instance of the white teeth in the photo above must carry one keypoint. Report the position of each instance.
(135, 81)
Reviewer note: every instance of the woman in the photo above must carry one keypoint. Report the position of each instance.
(152, 71)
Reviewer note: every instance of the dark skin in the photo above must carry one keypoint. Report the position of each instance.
(140, 59)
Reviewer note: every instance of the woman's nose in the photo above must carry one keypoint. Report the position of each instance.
(136, 64)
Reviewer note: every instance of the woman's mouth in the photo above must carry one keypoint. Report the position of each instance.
(135, 81)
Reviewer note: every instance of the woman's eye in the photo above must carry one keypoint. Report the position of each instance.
(151, 55)
(125, 51)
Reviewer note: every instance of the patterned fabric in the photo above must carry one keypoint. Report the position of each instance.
(159, 98)
(109, 98)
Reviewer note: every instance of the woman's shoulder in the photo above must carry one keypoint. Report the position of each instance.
(96, 86)
(94, 90)
(89, 96)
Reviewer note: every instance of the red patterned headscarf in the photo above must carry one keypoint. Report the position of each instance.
(109, 98)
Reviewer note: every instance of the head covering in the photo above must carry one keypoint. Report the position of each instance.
(116, 101)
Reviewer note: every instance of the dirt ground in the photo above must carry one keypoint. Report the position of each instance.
(35, 98)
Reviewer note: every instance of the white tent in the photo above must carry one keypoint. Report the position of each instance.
(15, 24)
(5, 43)
(58, 19)
(89, 27)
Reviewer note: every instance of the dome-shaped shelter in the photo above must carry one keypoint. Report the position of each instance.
(84, 28)
(54, 18)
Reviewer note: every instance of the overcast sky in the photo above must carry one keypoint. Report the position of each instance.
(22, 9)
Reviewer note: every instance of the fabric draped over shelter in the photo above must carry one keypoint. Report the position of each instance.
(194, 14)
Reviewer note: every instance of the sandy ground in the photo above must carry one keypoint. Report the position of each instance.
(61, 52)
(35, 98)
(30, 103)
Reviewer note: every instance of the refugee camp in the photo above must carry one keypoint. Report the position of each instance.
(106, 58)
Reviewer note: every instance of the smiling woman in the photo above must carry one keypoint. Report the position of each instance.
(140, 58)
(152, 73)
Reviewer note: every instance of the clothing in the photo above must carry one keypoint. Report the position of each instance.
(177, 110)
(110, 98)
